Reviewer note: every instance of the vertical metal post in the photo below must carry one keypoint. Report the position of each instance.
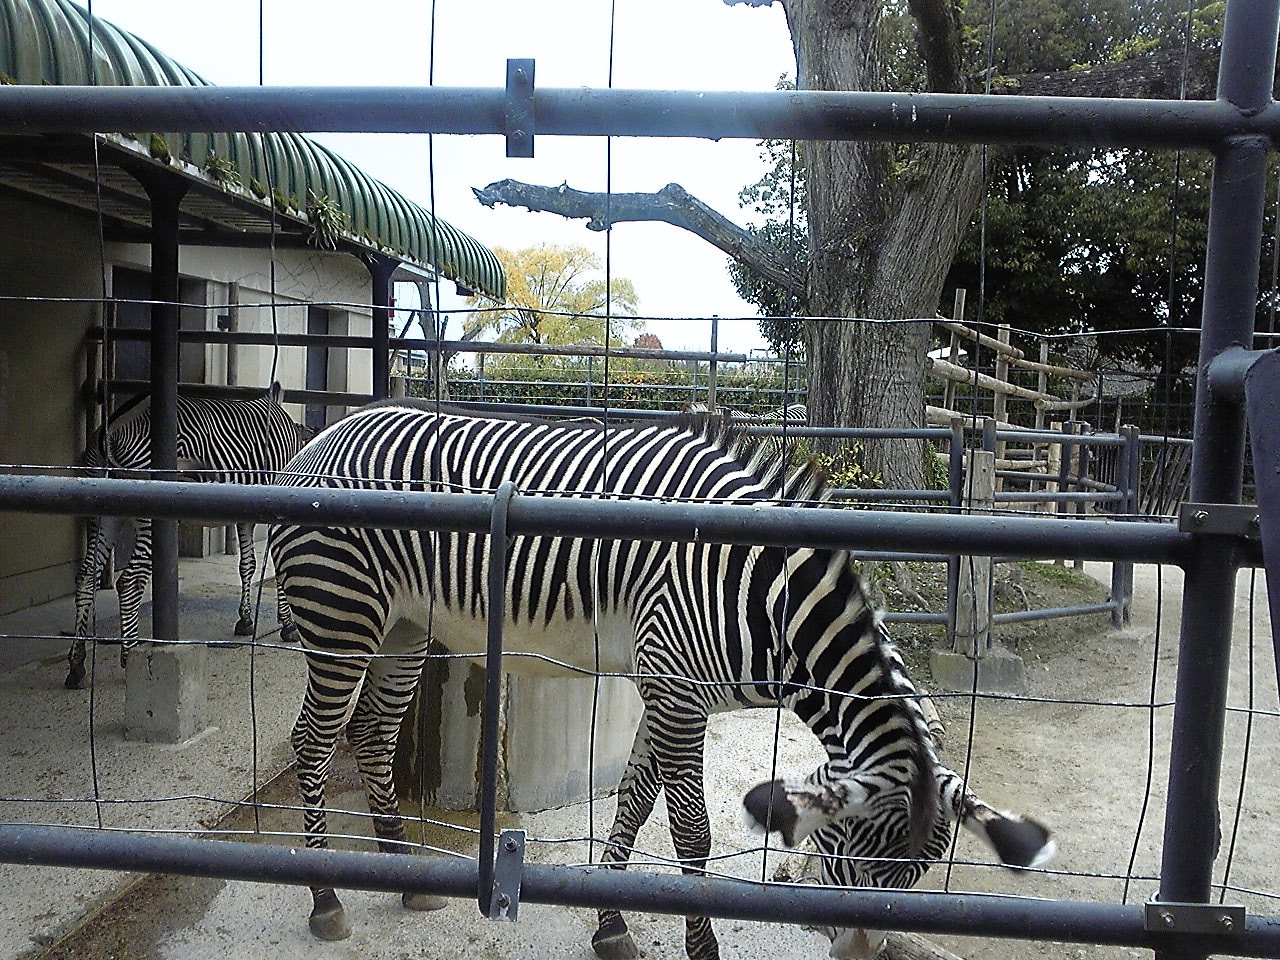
(1236, 201)
(497, 612)
(955, 486)
(1084, 469)
(989, 435)
(166, 195)
(381, 269)
(711, 370)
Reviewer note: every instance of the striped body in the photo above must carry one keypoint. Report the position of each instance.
(701, 627)
(223, 441)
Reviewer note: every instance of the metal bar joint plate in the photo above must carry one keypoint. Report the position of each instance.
(518, 112)
(1226, 519)
(1193, 918)
(507, 869)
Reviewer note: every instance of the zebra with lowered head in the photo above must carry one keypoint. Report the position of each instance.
(225, 441)
(700, 627)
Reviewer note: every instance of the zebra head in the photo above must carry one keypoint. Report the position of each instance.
(858, 833)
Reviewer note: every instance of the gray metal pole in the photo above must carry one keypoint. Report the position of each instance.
(381, 269)
(712, 364)
(166, 194)
(1230, 289)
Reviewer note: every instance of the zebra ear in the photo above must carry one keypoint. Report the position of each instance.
(1017, 840)
(796, 809)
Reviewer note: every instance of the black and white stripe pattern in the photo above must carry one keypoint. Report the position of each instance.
(702, 627)
(224, 441)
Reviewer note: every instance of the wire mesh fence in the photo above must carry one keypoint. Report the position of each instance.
(1084, 748)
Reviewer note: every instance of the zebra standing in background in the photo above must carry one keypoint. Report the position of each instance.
(226, 441)
(700, 627)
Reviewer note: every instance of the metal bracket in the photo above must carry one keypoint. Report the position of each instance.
(518, 114)
(1227, 519)
(508, 866)
(1193, 918)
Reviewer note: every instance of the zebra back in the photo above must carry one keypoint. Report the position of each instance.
(231, 441)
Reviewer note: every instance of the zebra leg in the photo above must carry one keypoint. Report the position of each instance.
(678, 735)
(373, 728)
(86, 590)
(130, 586)
(637, 794)
(244, 538)
(284, 614)
(331, 684)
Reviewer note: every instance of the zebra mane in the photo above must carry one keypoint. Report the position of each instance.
(765, 457)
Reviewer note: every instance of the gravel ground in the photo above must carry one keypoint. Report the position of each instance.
(1080, 767)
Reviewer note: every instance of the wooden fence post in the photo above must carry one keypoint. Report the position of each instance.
(973, 602)
(974, 660)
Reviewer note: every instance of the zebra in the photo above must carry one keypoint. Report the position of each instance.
(228, 441)
(699, 627)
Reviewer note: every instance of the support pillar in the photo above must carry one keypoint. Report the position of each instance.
(166, 194)
(381, 269)
(1191, 827)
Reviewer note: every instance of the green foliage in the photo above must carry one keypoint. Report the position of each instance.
(661, 385)
(327, 221)
(1085, 242)
(223, 170)
(778, 197)
(844, 469)
(935, 471)
(158, 148)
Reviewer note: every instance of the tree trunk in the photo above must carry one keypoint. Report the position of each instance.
(881, 241)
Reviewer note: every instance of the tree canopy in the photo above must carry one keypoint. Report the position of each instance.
(557, 296)
(883, 222)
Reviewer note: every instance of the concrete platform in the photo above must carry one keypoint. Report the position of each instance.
(50, 774)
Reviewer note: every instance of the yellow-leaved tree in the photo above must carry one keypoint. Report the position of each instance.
(556, 296)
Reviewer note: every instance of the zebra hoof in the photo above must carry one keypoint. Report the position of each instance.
(290, 634)
(328, 921)
(75, 678)
(244, 628)
(423, 901)
(613, 942)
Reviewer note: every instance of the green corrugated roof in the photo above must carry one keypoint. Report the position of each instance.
(47, 42)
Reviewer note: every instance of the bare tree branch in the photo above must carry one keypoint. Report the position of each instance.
(672, 204)
(1157, 76)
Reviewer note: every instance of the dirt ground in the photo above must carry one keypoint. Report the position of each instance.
(1075, 752)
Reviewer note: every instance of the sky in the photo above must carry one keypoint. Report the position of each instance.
(656, 44)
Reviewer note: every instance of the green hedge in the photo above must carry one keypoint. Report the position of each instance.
(667, 388)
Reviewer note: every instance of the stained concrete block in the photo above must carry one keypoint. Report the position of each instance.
(545, 755)
(166, 693)
(548, 744)
(999, 671)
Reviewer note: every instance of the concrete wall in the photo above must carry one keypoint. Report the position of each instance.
(50, 253)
